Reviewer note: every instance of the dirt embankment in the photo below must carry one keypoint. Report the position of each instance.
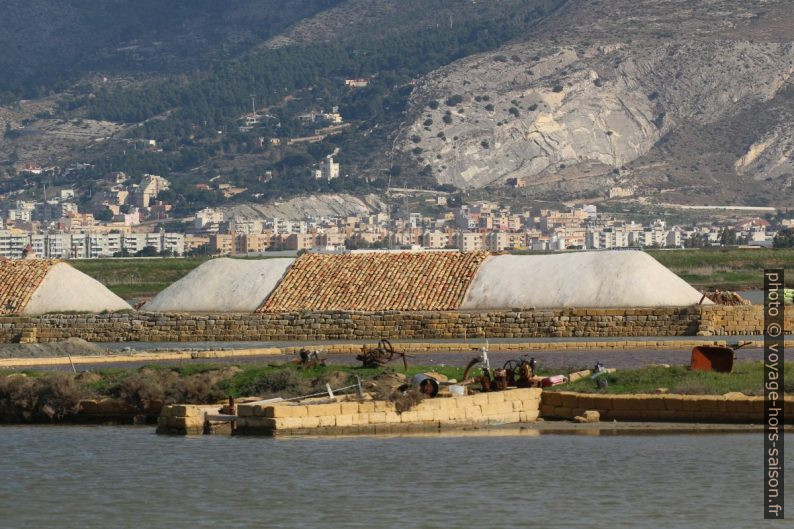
(68, 347)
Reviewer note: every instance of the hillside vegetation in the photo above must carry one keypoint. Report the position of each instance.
(688, 100)
(49, 43)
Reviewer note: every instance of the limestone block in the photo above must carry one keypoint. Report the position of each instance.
(479, 398)
(551, 398)
(348, 407)
(674, 402)
(376, 417)
(109, 406)
(309, 422)
(318, 410)
(496, 397)
(345, 419)
(523, 394)
(285, 411)
(326, 421)
(528, 416)
(497, 408)
(260, 410)
(667, 415)
(473, 412)
(425, 415)
(573, 377)
(383, 405)
(287, 423)
(409, 416)
(691, 403)
(623, 402)
(505, 418)
(366, 407)
(655, 402)
(391, 417)
(245, 410)
(650, 415)
(176, 422)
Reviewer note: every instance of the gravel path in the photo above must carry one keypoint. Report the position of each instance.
(562, 360)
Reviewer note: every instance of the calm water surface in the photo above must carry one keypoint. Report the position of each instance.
(125, 477)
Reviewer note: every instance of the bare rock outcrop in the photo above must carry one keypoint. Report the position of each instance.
(600, 87)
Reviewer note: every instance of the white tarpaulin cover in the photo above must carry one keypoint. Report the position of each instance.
(583, 279)
(222, 285)
(66, 289)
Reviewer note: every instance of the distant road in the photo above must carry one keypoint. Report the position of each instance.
(565, 361)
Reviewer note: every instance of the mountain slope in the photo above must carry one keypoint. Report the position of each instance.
(48, 43)
(620, 91)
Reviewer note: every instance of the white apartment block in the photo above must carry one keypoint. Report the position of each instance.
(469, 241)
(12, 244)
(497, 241)
(86, 245)
(435, 239)
(607, 238)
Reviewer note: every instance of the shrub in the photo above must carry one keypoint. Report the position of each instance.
(26, 399)
(514, 111)
(485, 144)
(533, 107)
(489, 107)
(281, 381)
(433, 104)
(454, 100)
(447, 119)
(427, 122)
(415, 138)
(557, 88)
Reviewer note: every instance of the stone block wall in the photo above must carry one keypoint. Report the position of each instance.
(512, 406)
(153, 327)
(297, 326)
(730, 408)
(741, 319)
(184, 419)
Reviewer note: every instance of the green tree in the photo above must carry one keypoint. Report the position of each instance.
(148, 251)
(784, 238)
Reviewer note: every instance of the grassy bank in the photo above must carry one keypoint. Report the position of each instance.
(726, 268)
(137, 277)
(746, 378)
(36, 396)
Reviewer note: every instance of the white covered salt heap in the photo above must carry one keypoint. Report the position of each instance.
(379, 280)
(39, 286)
(601, 279)
(222, 285)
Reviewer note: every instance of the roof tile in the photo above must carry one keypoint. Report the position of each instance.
(19, 280)
(375, 281)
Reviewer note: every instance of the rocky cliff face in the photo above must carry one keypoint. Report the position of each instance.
(323, 205)
(605, 92)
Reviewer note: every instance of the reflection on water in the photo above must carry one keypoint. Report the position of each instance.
(124, 477)
(755, 297)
